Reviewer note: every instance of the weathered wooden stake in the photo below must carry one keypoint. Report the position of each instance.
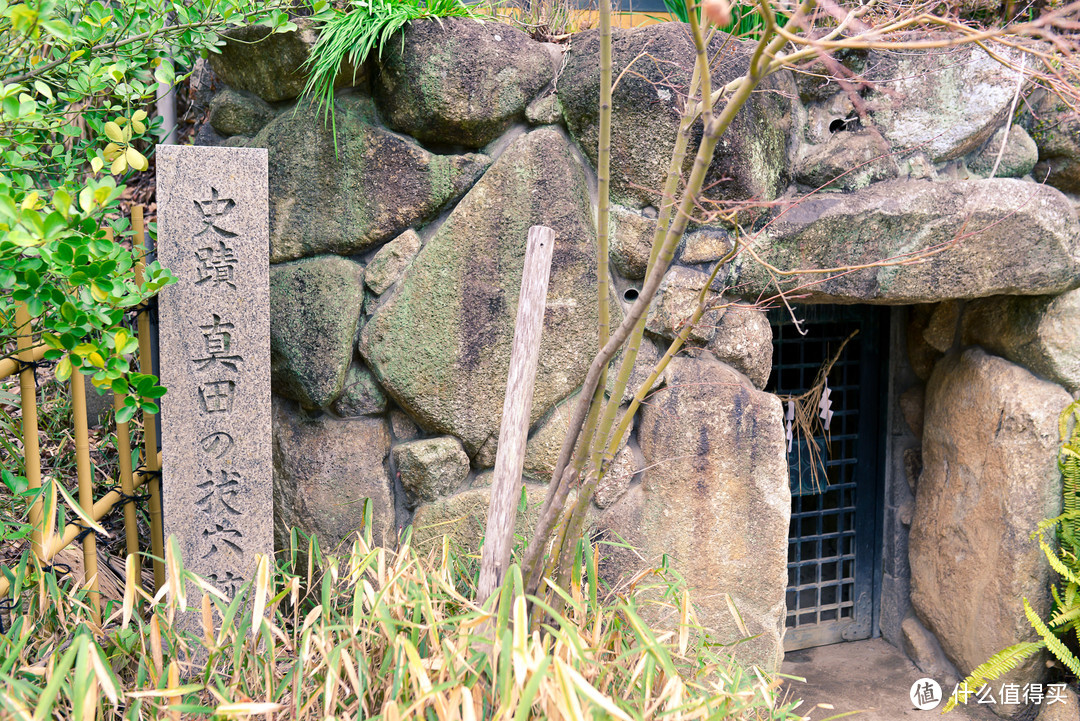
(517, 407)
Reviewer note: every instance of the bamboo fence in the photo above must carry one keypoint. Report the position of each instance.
(45, 544)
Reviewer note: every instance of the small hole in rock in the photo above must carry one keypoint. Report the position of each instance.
(630, 295)
(841, 124)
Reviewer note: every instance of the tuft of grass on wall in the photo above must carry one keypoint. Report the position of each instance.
(376, 633)
(348, 38)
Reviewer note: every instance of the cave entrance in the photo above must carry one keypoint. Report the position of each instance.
(834, 541)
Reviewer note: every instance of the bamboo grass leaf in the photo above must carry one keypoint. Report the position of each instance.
(44, 708)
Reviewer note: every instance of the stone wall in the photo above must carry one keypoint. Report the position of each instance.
(397, 240)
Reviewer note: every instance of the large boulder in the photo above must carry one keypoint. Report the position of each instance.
(324, 468)
(271, 65)
(346, 195)
(440, 341)
(314, 314)
(1040, 333)
(989, 476)
(676, 302)
(946, 102)
(704, 246)
(991, 237)
(751, 160)
(456, 81)
(714, 497)
(744, 340)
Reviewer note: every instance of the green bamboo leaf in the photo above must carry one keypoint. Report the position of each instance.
(531, 688)
(45, 704)
(78, 511)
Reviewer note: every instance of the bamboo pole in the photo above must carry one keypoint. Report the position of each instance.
(31, 450)
(10, 366)
(102, 507)
(123, 447)
(517, 407)
(152, 460)
(127, 485)
(603, 206)
(86, 489)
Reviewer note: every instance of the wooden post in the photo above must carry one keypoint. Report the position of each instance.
(517, 407)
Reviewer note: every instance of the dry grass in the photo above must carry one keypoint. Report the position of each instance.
(375, 634)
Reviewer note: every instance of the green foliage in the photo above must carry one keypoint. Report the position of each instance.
(746, 20)
(348, 38)
(77, 79)
(375, 633)
(1064, 624)
(1000, 663)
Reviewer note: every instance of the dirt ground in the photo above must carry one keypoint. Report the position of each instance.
(872, 677)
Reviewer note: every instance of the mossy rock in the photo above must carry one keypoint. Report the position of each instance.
(440, 341)
(456, 81)
(314, 314)
(946, 102)
(237, 112)
(430, 468)
(463, 517)
(751, 161)
(1015, 238)
(271, 65)
(1056, 132)
(324, 469)
(351, 191)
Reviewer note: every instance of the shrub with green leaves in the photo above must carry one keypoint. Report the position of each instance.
(78, 79)
(1063, 628)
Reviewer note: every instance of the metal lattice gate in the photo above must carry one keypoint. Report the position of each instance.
(834, 539)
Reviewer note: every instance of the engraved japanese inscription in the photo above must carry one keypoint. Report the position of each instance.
(215, 358)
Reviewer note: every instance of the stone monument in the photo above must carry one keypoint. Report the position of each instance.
(213, 234)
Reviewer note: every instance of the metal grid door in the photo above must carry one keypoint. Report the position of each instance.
(833, 542)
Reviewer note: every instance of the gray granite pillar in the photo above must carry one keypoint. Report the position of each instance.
(213, 234)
